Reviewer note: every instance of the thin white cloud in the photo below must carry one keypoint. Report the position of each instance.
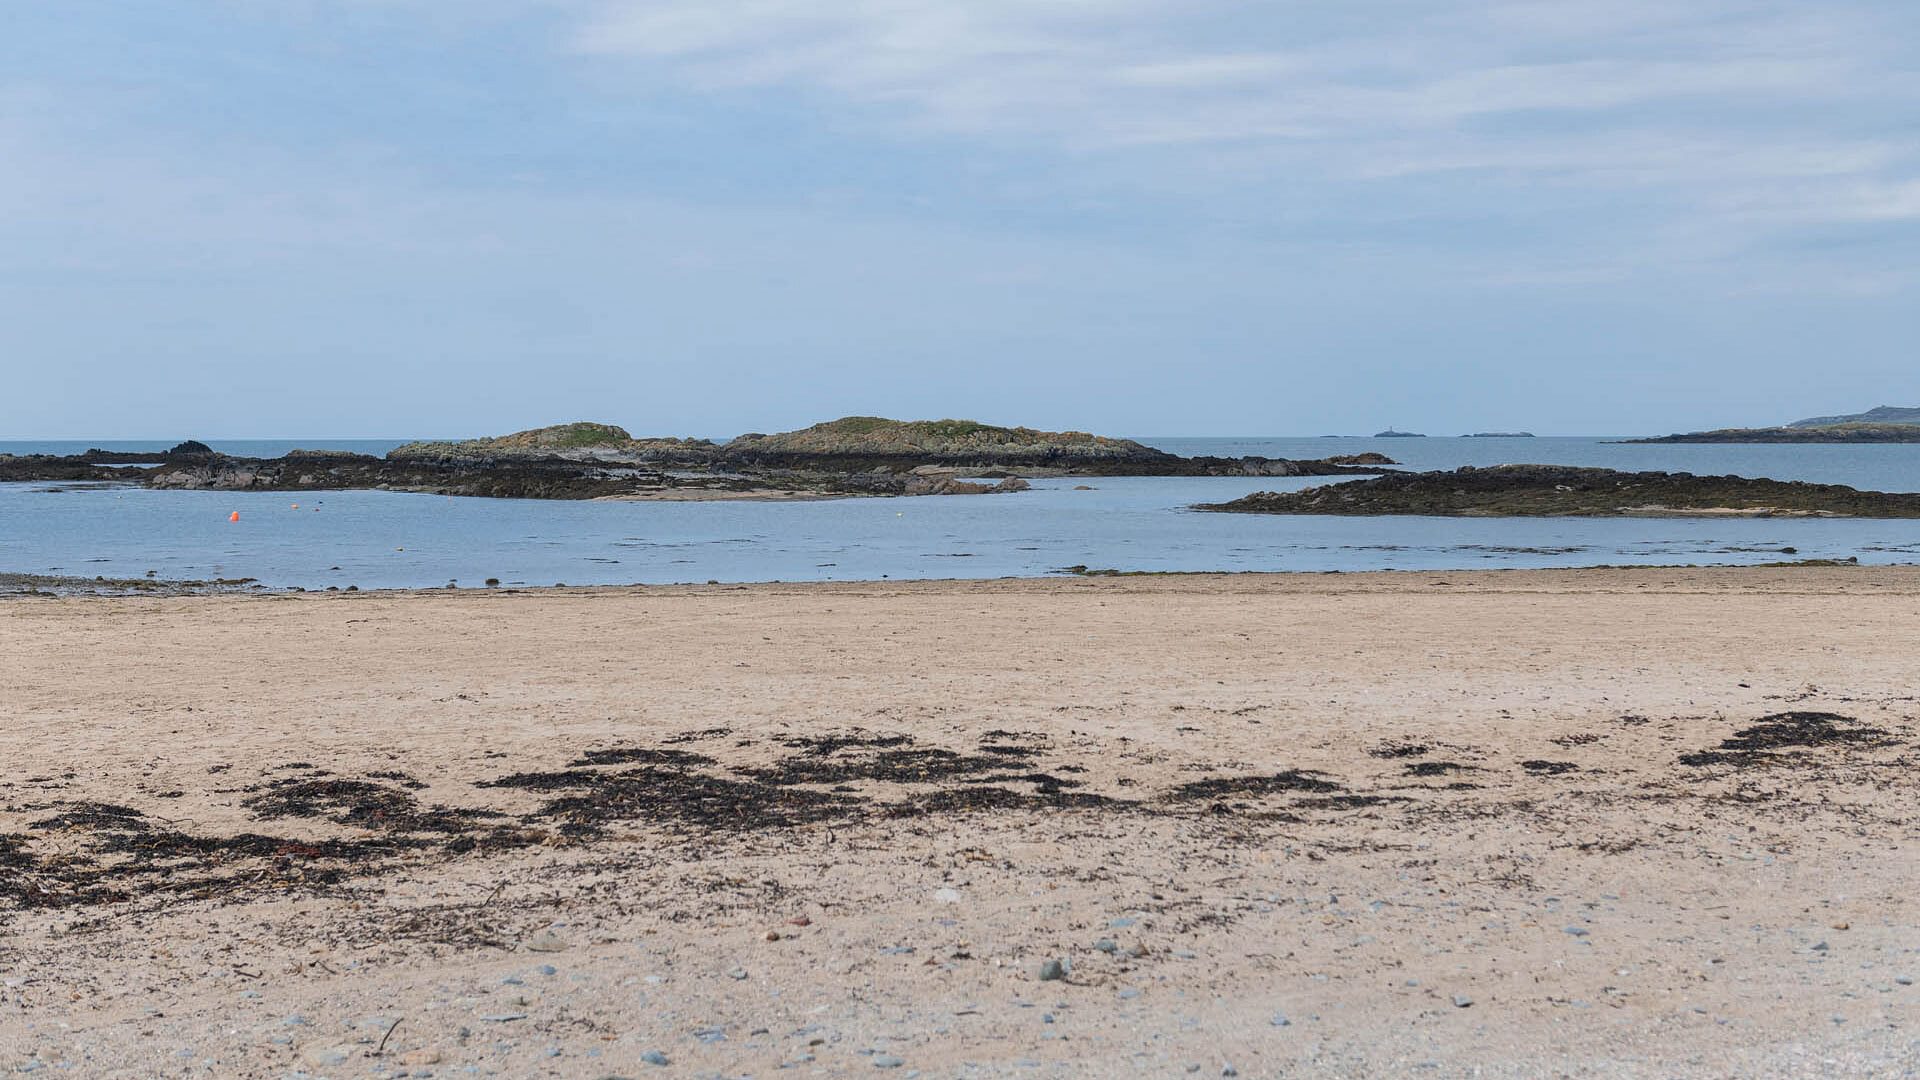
(1368, 91)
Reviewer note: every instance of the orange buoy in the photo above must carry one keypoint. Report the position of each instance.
(296, 506)
(235, 516)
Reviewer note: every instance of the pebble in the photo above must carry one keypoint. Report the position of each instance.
(1053, 970)
(1119, 924)
(887, 1061)
(1576, 931)
(546, 941)
(423, 1056)
(547, 969)
(1903, 980)
(1280, 1020)
(1129, 993)
(1106, 945)
(946, 896)
(1462, 1001)
(737, 974)
(654, 1057)
(1228, 1070)
(295, 1020)
(1821, 947)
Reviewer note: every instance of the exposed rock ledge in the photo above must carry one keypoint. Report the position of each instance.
(1562, 491)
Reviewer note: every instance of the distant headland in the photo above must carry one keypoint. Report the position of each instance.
(1881, 424)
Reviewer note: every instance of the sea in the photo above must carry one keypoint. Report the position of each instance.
(384, 540)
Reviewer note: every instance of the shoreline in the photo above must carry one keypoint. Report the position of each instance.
(30, 586)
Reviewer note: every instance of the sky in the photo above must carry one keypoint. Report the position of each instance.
(234, 218)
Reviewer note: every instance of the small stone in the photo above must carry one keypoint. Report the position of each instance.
(946, 896)
(1462, 1001)
(1576, 931)
(422, 1056)
(654, 1057)
(1136, 950)
(1128, 993)
(513, 980)
(1053, 970)
(545, 941)
(1842, 926)
(547, 969)
(773, 935)
(1903, 980)
(1228, 1070)
(1821, 947)
(799, 920)
(296, 1020)
(737, 974)
(1106, 945)
(1119, 924)
(887, 1061)
(1280, 1020)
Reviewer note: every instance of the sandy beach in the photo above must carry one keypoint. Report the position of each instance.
(1646, 822)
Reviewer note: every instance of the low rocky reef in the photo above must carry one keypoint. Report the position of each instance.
(1821, 433)
(854, 456)
(1564, 491)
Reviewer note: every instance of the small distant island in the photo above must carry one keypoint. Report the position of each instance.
(1392, 434)
(1565, 491)
(1500, 435)
(1881, 424)
(852, 456)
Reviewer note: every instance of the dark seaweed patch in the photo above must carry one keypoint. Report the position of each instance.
(1292, 780)
(1754, 745)
(632, 755)
(1549, 768)
(1433, 768)
(1400, 750)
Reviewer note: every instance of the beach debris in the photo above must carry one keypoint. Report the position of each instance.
(1053, 970)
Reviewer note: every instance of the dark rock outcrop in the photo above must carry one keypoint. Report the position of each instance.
(852, 456)
(1564, 491)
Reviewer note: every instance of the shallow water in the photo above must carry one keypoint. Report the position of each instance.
(386, 540)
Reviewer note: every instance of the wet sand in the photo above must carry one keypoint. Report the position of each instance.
(1604, 822)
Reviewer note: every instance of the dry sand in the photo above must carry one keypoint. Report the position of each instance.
(1368, 825)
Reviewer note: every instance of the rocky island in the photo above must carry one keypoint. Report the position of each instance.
(848, 457)
(1881, 424)
(1566, 491)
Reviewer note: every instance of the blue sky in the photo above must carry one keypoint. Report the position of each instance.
(390, 217)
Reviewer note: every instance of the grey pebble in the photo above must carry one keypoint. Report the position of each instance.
(1576, 931)
(1129, 993)
(1120, 924)
(1903, 980)
(737, 973)
(887, 1061)
(1462, 1001)
(1106, 945)
(1280, 1020)
(1053, 970)
(654, 1057)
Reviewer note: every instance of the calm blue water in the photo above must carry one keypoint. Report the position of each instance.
(385, 540)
